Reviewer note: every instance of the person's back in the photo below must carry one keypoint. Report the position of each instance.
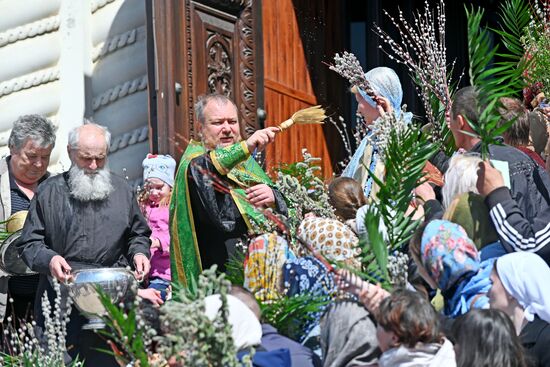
(272, 343)
(487, 338)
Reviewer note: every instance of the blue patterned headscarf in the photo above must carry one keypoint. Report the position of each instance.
(452, 260)
(308, 275)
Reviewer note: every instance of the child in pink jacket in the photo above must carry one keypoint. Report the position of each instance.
(154, 200)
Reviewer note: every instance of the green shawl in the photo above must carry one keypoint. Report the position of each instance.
(233, 162)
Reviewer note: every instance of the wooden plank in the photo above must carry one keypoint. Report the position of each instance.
(288, 84)
(289, 91)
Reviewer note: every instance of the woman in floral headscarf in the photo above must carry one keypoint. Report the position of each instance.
(263, 266)
(447, 259)
(387, 87)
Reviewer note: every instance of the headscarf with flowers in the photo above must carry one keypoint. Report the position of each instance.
(452, 260)
(307, 275)
(263, 267)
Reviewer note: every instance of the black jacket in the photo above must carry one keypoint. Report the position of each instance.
(535, 338)
(218, 223)
(87, 234)
(515, 230)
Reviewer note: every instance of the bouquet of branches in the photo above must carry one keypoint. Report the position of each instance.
(304, 190)
(187, 334)
(421, 48)
(23, 347)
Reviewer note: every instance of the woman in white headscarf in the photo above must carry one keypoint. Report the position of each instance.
(387, 87)
(520, 289)
(246, 329)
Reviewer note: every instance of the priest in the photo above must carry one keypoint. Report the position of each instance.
(220, 192)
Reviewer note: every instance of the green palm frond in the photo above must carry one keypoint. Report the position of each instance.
(289, 315)
(481, 52)
(122, 330)
(405, 156)
(515, 16)
(495, 79)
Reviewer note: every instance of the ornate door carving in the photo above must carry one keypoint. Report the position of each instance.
(205, 46)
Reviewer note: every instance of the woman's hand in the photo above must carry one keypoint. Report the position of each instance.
(383, 105)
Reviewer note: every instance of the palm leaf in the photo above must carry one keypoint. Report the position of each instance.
(491, 79)
(405, 156)
(289, 315)
(234, 269)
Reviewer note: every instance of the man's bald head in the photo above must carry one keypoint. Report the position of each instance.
(88, 146)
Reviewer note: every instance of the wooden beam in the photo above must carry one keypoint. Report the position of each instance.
(289, 91)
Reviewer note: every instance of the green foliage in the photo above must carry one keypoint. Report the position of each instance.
(234, 269)
(515, 16)
(289, 315)
(406, 152)
(536, 41)
(493, 80)
(124, 329)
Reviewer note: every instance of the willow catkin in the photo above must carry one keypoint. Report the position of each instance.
(349, 67)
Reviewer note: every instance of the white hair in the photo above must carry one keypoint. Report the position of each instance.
(74, 134)
(89, 187)
(460, 178)
(38, 129)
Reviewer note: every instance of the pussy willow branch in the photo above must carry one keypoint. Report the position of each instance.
(422, 50)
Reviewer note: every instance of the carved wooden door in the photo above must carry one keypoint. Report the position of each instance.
(298, 35)
(202, 46)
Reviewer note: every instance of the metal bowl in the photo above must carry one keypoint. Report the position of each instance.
(118, 283)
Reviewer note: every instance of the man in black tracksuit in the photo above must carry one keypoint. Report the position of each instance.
(529, 182)
(516, 231)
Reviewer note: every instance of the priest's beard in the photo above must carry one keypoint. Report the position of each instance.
(89, 186)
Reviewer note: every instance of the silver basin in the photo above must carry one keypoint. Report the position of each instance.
(118, 283)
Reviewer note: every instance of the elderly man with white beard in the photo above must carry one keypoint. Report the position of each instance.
(86, 217)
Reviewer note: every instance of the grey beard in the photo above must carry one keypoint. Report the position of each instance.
(89, 187)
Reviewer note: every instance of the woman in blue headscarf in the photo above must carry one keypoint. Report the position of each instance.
(387, 87)
(448, 259)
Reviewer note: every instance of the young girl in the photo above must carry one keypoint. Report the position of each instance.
(154, 200)
(409, 333)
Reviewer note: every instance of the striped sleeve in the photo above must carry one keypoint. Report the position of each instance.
(515, 231)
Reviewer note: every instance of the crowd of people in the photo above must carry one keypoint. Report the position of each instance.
(474, 296)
